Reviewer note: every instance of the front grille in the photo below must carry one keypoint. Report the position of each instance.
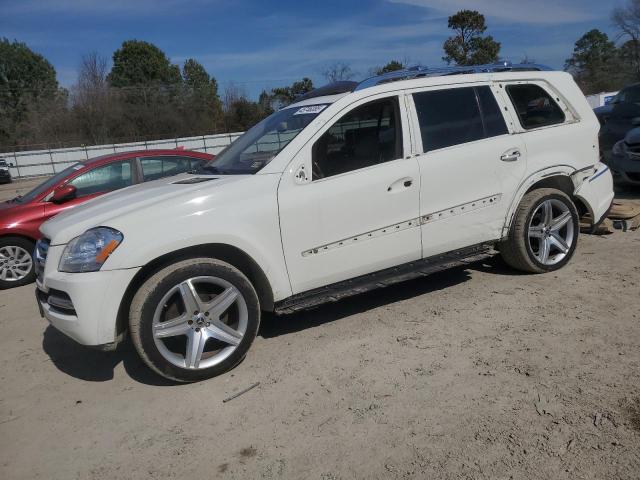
(42, 249)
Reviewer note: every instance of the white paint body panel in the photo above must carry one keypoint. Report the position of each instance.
(275, 219)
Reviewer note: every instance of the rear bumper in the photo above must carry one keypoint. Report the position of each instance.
(597, 192)
(84, 306)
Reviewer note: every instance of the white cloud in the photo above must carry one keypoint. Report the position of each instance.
(541, 12)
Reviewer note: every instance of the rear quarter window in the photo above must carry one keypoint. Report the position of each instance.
(534, 106)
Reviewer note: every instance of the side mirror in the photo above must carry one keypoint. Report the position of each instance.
(63, 194)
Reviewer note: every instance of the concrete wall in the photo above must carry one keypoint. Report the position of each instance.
(37, 163)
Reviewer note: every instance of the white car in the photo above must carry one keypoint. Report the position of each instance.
(352, 187)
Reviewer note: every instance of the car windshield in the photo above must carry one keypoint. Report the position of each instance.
(47, 184)
(260, 144)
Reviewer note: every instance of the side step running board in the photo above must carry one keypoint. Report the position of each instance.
(384, 278)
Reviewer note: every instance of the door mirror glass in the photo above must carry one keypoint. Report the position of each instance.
(63, 194)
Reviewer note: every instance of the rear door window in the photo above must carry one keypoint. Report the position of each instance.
(492, 118)
(457, 115)
(163, 166)
(534, 106)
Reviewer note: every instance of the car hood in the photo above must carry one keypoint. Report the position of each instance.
(146, 201)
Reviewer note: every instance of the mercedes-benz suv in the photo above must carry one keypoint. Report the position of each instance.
(352, 187)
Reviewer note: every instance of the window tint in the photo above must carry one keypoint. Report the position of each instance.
(366, 136)
(534, 106)
(448, 117)
(158, 167)
(103, 179)
(492, 118)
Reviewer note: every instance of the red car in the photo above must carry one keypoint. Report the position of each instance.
(21, 217)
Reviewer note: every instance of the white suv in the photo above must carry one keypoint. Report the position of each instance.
(352, 187)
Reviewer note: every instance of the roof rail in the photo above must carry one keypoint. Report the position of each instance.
(420, 71)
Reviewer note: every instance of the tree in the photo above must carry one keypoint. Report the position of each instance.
(627, 19)
(338, 71)
(468, 46)
(138, 63)
(595, 63)
(201, 106)
(286, 95)
(93, 108)
(264, 100)
(150, 86)
(392, 66)
(26, 80)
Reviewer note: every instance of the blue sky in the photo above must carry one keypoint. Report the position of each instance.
(258, 44)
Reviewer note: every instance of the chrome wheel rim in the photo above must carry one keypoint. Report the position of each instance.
(200, 322)
(15, 263)
(550, 232)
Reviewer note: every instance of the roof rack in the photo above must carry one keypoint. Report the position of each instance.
(420, 71)
(334, 88)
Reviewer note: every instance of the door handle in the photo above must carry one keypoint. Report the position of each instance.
(400, 185)
(510, 156)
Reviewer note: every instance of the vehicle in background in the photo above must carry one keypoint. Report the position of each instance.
(601, 99)
(625, 159)
(21, 217)
(5, 174)
(346, 190)
(618, 117)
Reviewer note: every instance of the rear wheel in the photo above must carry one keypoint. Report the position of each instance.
(194, 319)
(544, 233)
(16, 262)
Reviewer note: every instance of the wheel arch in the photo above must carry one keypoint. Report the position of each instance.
(220, 251)
(559, 178)
(18, 235)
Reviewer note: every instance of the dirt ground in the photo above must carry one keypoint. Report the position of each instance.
(477, 373)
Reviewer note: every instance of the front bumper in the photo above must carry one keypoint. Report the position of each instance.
(90, 316)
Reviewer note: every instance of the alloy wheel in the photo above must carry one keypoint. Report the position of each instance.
(551, 232)
(15, 263)
(200, 322)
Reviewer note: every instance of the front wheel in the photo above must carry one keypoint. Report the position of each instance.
(194, 319)
(544, 233)
(16, 262)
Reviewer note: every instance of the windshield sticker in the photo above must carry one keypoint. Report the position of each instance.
(312, 109)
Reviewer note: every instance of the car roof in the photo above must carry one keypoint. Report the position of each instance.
(112, 157)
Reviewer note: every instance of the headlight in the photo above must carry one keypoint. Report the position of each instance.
(618, 148)
(90, 250)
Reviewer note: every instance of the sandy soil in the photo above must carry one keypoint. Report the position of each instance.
(477, 373)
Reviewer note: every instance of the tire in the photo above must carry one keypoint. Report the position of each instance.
(17, 266)
(532, 233)
(163, 326)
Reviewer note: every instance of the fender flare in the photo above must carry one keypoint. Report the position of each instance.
(557, 170)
